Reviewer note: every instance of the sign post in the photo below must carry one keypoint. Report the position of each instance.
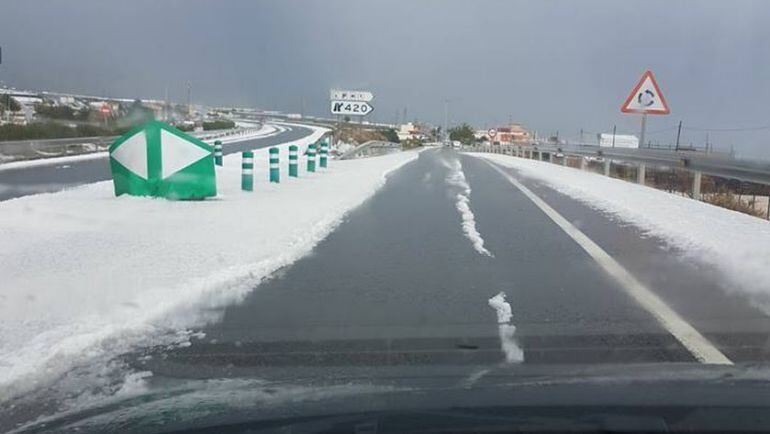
(492, 133)
(351, 102)
(646, 98)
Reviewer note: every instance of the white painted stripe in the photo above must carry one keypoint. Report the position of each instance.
(247, 171)
(273, 165)
(248, 160)
(700, 347)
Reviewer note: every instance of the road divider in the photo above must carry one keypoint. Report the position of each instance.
(275, 174)
(247, 171)
(324, 153)
(218, 152)
(311, 157)
(293, 169)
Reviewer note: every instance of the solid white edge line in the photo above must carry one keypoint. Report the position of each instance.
(700, 347)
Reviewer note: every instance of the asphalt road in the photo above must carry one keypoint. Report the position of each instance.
(398, 284)
(19, 182)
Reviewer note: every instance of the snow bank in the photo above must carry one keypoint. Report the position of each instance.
(738, 245)
(87, 275)
(456, 178)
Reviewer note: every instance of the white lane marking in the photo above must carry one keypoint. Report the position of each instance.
(513, 353)
(700, 347)
(456, 178)
(473, 378)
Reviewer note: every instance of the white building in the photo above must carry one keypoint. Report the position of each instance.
(411, 131)
(619, 140)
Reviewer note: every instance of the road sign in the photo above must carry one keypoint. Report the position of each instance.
(356, 108)
(158, 160)
(646, 98)
(350, 95)
(492, 133)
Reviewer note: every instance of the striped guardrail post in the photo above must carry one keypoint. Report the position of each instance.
(311, 158)
(275, 175)
(247, 171)
(324, 153)
(293, 169)
(218, 152)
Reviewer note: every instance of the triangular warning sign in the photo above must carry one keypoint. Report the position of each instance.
(646, 98)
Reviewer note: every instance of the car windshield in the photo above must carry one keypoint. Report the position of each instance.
(358, 216)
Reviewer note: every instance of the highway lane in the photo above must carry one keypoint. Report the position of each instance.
(53, 177)
(398, 283)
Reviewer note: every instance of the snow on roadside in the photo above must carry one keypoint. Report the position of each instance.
(87, 275)
(456, 178)
(267, 130)
(738, 245)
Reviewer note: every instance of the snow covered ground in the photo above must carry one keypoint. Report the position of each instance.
(87, 276)
(736, 244)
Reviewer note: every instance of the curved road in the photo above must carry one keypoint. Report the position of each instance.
(18, 182)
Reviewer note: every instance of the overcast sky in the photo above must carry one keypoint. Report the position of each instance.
(551, 65)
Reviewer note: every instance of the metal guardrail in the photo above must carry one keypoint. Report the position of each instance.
(372, 147)
(713, 164)
(16, 150)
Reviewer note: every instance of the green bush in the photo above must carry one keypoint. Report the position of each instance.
(463, 134)
(52, 130)
(221, 124)
(391, 135)
(7, 101)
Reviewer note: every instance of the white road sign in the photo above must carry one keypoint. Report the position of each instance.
(646, 98)
(350, 95)
(356, 108)
(492, 132)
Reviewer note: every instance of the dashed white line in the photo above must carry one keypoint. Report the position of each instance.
(697, 344)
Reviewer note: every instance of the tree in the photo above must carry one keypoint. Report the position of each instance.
(7, 101)
(391, 135)
(463, 134)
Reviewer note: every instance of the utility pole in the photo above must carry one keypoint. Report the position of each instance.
(707, 143)
(446, 121)
(165, 105)
(189, 105)
(678, 134)
(581, 135)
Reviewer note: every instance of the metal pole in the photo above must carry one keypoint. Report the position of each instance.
(446, 121)
(640, 172)
(678, 134)
(696, 181)
(644, 130)
(614, 129)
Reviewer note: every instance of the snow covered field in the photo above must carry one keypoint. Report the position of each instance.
(736, 244)
(87, 276)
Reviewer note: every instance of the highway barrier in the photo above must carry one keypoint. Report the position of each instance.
(218, 152)
(751, 177)
(311, 158)
(275, 175)
(293, 169)
(247, 171)
(324, 153)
